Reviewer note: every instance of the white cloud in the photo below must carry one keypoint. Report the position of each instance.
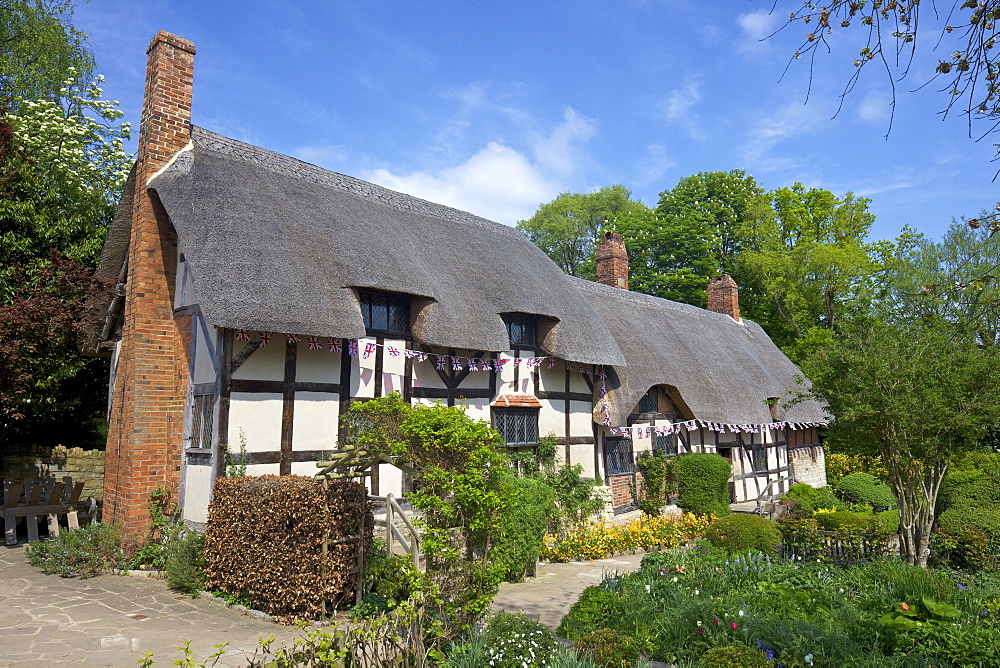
(498, 183)
(874, 107)
(654, 164)
(679, 108)
(788, 122)
(757, 25)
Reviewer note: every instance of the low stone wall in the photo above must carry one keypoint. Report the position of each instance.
(57, 462)
(808, 464)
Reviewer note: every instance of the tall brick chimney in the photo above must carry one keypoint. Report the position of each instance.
(611, 261)
(724, 296)
(146, 424)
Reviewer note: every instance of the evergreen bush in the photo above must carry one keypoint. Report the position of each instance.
(808, 499)
(522, 528)
(595, 607)
(83, 553)
(703, 484)
(741, 532)
(735, 657)
(610, 649)
(185, 563)
(866, 489)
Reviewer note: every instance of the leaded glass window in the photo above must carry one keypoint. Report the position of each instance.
(519, 428)
(202, 420)
(618, 459)
(385, 313)
(650, 402)
(522, 329)
(666, 444)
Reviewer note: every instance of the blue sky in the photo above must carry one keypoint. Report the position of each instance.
(496, 108)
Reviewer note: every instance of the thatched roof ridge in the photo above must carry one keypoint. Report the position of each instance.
(725, 371)
(277, 244)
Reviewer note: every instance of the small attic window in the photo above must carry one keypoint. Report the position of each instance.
(522, 329)
(650, 402)
(385, 313)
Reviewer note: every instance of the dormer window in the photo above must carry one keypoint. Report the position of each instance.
(522, 329)
(650, 402)
(385, 313)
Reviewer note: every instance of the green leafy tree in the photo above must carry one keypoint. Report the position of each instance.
(917, 396)
(808, 264)
(567, 228)
(697, 233)
(38, 46)
(955, 280)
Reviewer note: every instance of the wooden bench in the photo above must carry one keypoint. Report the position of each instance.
(35, 497)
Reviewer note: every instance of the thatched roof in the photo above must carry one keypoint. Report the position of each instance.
(724, 371)
(276, 244)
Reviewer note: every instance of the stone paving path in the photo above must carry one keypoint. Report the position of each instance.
(549, 596)
(111, 620)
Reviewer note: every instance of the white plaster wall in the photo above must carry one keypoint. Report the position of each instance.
(263, 469)
(581, 418)
(184, 294)
(307, 469)
(197, 492)
(204, 367)
(578, 383)
(554, 379)
(425, 375)
(551, 419)
(363, 373)
(584, 456)
(315, 421)
(390, 480)
(267, 363)
(316, 366)
(259, 415)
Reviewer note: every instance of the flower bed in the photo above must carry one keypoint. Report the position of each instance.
(597, 541)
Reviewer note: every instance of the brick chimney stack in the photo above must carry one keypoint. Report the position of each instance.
(145, 427)
(611, 260)
(724, 296)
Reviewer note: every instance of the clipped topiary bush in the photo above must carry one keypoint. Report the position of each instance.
(866, 489)
(590, 613)
(703, 484)
(742, 531)
(735, 657)
(522, 528)
(610, 649)
(288, 543)
(809, 499)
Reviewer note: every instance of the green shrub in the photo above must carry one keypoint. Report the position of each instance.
(839, 465)
(809, 499)
(845, 520)
(735, 657)
(610, 649)
(515, 641)
(703, 484)
(968, 537)
(742, 532)
(595, 607)
(185, 563)
(522, 529)
(389, 580)
(659, 481)
(866, 489)
(83, 553)
(576, 498)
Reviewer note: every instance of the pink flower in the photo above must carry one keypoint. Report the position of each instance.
(904, 607)
(734, 626)
(679, 569)
(700, 631)
(715, 620)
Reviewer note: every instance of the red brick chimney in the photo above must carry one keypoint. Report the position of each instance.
(724, 296)
(612, 261)
(146, 424)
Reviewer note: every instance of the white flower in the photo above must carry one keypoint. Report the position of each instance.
(675, 578)
(695, 592)
(809, 659)
(741, 613)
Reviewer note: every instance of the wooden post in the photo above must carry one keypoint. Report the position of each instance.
(359, 589)
(388, 524)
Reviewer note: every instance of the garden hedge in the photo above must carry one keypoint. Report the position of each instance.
(741, 532)
(288, 543)
(522, 529)
(703, 484)
(866, 489)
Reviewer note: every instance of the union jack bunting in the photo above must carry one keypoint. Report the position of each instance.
(473, 364)
(456, 363)
(335, 346)
(690, 425)
(265, 338)
(607, 420)
(422, 357)
(242, 335)
(498, 364)
(314, 343)
(626, 432)
(552, 362)
(441, 361)
(291, 338)
(393, 352)
(409, 353)
(369, 350)
(352, 347)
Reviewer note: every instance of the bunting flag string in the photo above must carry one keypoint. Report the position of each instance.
(692, 425)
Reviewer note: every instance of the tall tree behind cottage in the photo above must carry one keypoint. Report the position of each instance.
(62, 168)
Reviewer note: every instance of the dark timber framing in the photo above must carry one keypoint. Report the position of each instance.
(452, 381)
(288, 407)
